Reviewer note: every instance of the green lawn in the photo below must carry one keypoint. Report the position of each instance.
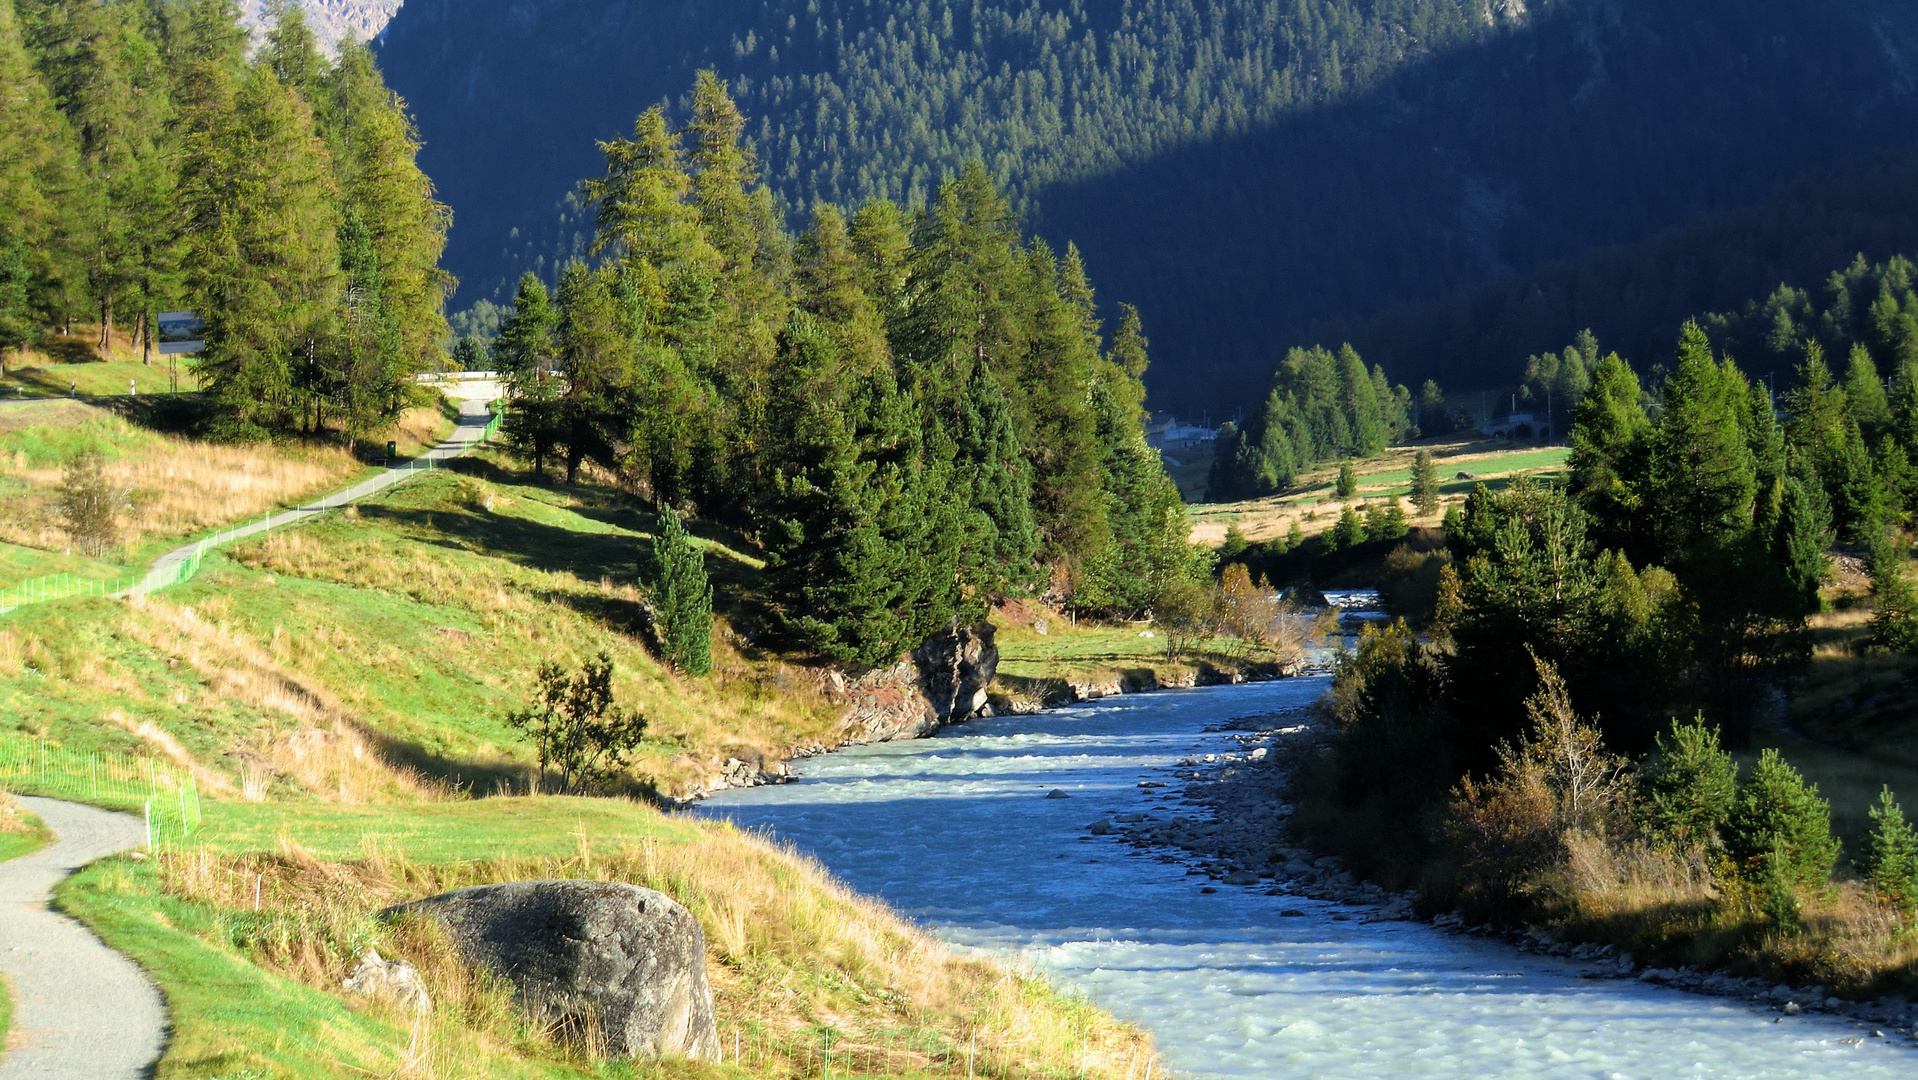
(98, 379)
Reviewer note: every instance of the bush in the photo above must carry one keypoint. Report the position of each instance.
(574, 725)
(90, 505)
(1409, 582)
(1183, 611)
(1557, 781)
(1891, 856)
(1779, 830)
(682, 597)
(1688, 786)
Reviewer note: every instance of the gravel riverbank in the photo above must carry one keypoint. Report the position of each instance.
(1225, 815)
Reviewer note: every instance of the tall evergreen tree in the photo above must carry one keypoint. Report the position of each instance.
(682, 596)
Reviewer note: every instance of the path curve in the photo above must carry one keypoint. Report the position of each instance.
(475, 414)
(80, 1010)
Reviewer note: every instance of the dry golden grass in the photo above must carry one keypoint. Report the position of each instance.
(12, 819)
(790, 951)
(177, 487)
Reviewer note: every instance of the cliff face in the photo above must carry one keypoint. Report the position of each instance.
(332, 20)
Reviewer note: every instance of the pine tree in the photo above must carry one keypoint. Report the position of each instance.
(1779, 829)
(1349, 531)
(1700, 476)
(682, 597)
(1347, 484)
(1425, 484)
(1894, 618)
(524, 350)
(1689, 784)
(1890, 859)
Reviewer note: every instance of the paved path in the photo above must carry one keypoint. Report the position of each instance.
(80, 1010)
(474, 416)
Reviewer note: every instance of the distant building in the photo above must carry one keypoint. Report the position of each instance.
(1519, 425)
(1165, 432)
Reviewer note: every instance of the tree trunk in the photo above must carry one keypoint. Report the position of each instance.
(106, 326)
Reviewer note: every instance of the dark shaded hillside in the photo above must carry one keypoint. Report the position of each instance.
(1226, 165)
(1636, 296)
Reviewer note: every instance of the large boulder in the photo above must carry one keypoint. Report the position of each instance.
(941, 682)
(622, 966)
(955, 667)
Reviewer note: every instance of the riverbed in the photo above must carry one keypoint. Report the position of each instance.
(956, 831)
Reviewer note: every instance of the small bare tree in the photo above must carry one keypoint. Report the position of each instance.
(575, 728)
(90, 504)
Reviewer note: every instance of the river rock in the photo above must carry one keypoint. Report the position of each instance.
(581, 954)
(1057, 793)
(1100, 827)
(390, 980)
(955, 667)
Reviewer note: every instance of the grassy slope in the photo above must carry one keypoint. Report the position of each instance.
(340, 688)
(177, 488)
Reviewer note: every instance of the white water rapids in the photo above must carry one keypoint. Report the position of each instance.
(955, 831)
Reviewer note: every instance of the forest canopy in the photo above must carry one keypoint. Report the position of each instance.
(147, 163)
(915, 413)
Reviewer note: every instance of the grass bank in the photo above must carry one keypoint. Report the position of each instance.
(339, 691)
(1043, 655)
(251, 933)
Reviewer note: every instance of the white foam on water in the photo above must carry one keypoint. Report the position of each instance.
(956, 832)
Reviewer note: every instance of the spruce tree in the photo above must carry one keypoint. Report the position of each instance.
(523, 350)
(1425, 484)
(682, 597)
(1689, 784)
(1347, 484)
(1890, 858)
(1779, 829)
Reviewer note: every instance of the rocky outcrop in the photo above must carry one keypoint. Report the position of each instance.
(619, 968)
(941, 682)
(955, 666)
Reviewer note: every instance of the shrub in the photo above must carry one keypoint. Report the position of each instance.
(1183, 611)
(1557, 781)
(1385, 520)
(1891, 856)
(576, 729)
(1779, 830)
(682, 597)
(90, 505)
(1409, 582)
(1688, 785)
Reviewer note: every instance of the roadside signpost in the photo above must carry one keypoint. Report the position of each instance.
(181, 333)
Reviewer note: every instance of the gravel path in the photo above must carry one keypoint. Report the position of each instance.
(80, 1010)
(474, 416)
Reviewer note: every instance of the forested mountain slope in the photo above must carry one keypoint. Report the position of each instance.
(1238, 168)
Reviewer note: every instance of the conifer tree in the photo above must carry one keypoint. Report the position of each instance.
(1890, 858)
(523, 350)
(1347, 484)
(1779, 829)
(1425, 485)
(1689, 784)
(682, 596)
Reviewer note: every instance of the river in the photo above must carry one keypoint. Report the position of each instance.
(955, 831)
